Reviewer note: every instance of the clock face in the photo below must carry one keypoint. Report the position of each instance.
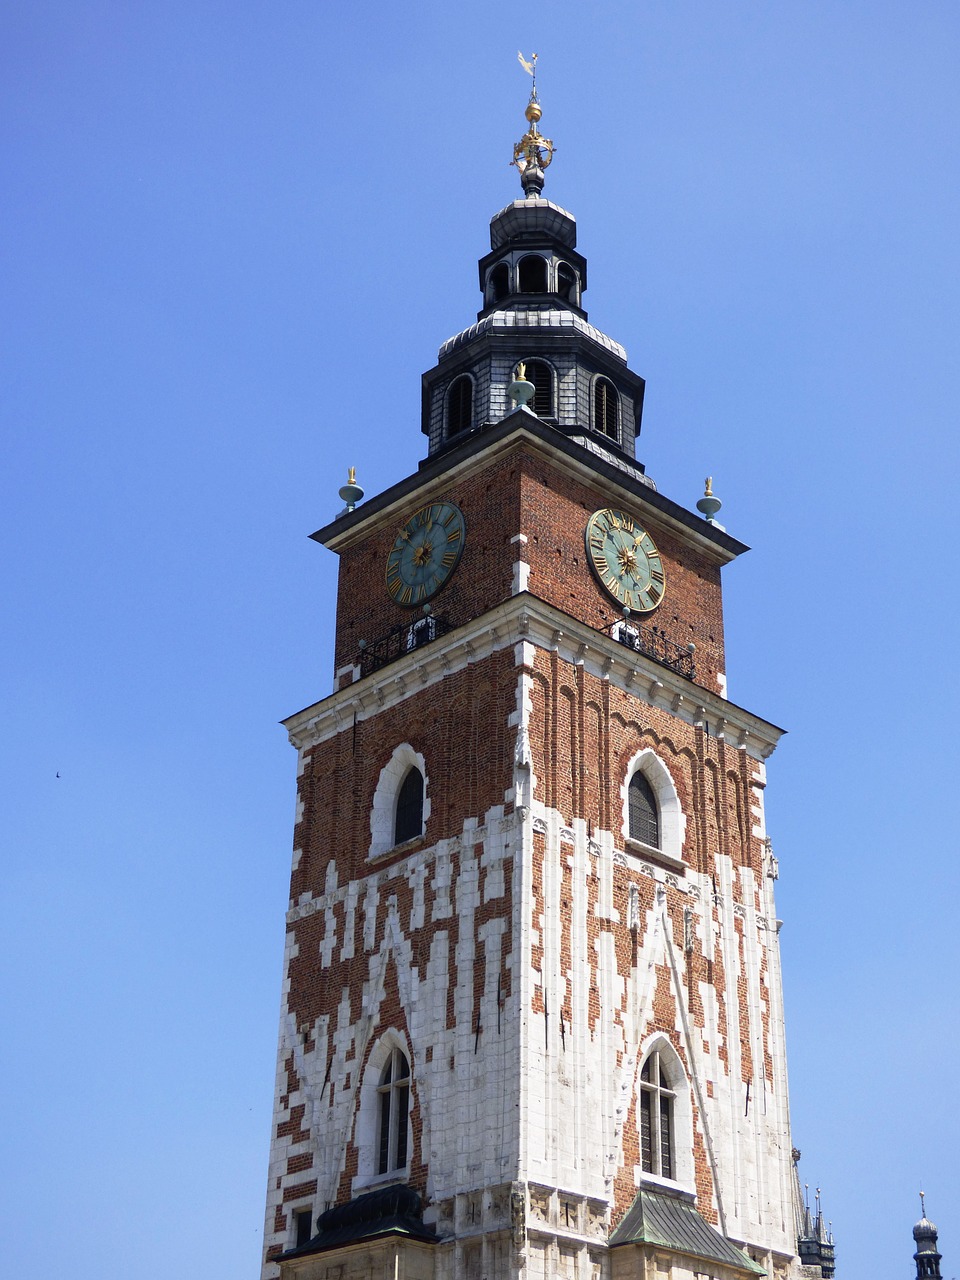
(425, 553)
(625, 559)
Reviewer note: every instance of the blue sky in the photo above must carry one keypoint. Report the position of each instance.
(235, 237)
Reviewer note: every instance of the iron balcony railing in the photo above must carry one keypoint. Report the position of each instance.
(653, 643)
(401, 640)
(649, 641)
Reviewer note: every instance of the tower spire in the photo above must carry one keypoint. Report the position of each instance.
(533, 153)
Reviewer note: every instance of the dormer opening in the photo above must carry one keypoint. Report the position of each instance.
(568, 286)
(541, 375)
(532, 274)
(606, 408)
(460, 405)
(498, 282)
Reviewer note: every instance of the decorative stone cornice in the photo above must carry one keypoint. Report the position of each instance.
(525, 618)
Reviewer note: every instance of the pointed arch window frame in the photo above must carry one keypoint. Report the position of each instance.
(677, 1090)
(672, 821)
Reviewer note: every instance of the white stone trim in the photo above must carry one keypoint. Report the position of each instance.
(673, 821)
(383, 814)
(524, 618)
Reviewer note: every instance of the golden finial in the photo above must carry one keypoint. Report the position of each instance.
(709, 504)
(708, 491)
(352, 475)
(533, 153)
(521, 373)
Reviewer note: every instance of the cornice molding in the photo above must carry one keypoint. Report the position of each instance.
(521, 429)
(526, 619)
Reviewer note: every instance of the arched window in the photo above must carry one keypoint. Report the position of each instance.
(644, 819)
(567, 284)
(541, 375)
(656, 1118)
(460, 405)
(409, 822)
(606, 408)
(393, 1110)
(532, 274)
(498, 282)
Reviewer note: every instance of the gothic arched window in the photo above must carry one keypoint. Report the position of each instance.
(409, 820)
(393, 1111)
(606, 408)
(532, 274)
(567, 283)
(644, 812)
(499, 282)
(460, 405)
(656, 1118)
(541, 375)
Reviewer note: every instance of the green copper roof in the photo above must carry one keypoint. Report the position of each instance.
(665, 1220)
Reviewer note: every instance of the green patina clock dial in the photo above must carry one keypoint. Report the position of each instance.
(625, 560)
(425, 553)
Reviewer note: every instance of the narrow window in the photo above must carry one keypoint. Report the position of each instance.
(532, 274)
(409, 821)
(460, 405)
(606, 408)
(499, 282)
(541, 375)
(394, 1108)
(656, 1118)
(302, 1226)
(644, 821)
(567, 283)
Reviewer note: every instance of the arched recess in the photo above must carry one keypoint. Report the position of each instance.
(672, 820)
(541, 375)
(606, 408)
(568, 283)
(498, 282)
(383, 813)
(532, 274)
(460, 405)
(659, 1054)
(383, 1134)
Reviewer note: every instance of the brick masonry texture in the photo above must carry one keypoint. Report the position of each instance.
(523, 952)
(524, 494)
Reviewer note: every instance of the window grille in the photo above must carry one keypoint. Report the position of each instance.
(409, 821)
(656, 1118)
(394, 1108)
(606, 408)
(532, 274)
(644, 814)
(460, 405)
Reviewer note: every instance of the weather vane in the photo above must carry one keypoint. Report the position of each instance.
(533, 153)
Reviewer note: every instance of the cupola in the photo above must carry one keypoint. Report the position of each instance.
(532, 284)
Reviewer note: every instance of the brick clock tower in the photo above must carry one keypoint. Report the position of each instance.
(532, 1021)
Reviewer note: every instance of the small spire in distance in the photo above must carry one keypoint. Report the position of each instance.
(533, 153)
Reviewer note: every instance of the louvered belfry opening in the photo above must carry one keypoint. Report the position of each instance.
(532, 274)
(460, 405)
(606, 408)
(409, 823)
(541, 375)
(644, 815)
(656, 1119)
